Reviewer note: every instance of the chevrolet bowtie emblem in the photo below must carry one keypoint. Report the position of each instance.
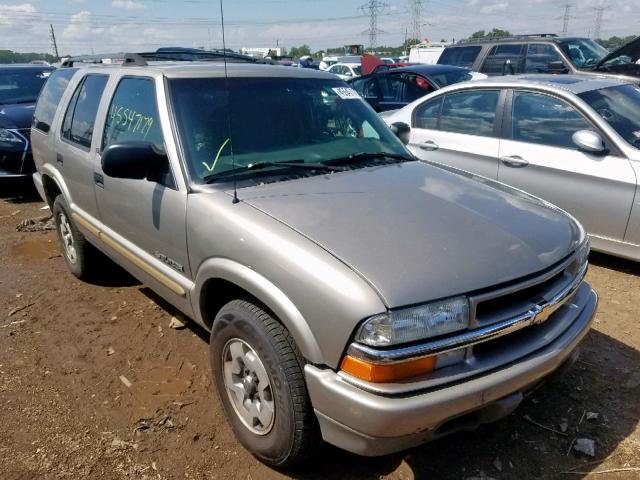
(541, 313)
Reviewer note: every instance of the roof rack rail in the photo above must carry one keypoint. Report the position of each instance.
(510, 37)
(181, 54)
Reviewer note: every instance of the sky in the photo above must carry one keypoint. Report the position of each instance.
(94, 26)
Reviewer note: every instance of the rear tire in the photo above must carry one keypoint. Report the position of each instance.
(258, 376)
(79, 255)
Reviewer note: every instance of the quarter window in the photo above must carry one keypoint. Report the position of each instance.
(49, 98)
(426, 115)
(504, 59)
(460, 56)
(539, 56)
(80, 117)
(546, 120)
(473, 113)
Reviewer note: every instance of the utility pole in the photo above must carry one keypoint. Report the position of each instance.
(52, 36)
(566, 18)
(372, 9)
(415, 12)
(597, 26)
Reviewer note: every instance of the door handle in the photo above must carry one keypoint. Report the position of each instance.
(429, 145)
(59, 158)
(514, 161)
(98, 179)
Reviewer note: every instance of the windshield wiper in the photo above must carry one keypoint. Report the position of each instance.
(364, 156)
(300, 164)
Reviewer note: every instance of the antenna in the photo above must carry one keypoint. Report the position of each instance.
(226, 84)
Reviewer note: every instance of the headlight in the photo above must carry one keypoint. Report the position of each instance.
(415, 323)
(7, 136)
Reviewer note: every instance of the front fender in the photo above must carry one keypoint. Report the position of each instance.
(265, 291)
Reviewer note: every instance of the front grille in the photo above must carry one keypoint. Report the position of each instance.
(520, 296)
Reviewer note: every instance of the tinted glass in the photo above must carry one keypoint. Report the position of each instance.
(546, 120)
(81, 113)
(50, 97)
(449, 78)
(583, 53)
(426, 115)
(133, 113)
(460, 56)
(357, 70)
(506, 59)
(472, 113)
(275, 120)
(539, 55)
(620, 107)
(415, 87)
(21, 85)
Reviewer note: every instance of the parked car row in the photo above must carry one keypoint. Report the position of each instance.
(573, 140)
(332, 267)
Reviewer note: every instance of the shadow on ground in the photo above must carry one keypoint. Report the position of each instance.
(615, 263)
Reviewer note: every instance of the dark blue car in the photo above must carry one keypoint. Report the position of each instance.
(394, 88)
(19, 89)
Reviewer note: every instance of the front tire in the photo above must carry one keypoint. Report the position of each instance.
(258, 375)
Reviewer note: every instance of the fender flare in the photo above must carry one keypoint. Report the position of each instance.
(56, 177)
(265, 291)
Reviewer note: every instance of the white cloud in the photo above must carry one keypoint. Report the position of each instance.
(494, 7)
(128, 4)
(11, 14)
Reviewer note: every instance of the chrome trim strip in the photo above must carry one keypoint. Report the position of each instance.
(538, 314)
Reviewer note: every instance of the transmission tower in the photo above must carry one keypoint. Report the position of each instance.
(566, 18)
(415, 12)
(597, 25)
(54, 45)
(372, 9)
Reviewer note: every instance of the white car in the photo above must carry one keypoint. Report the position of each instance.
(573, 140)
(327, 62)
(346, 71)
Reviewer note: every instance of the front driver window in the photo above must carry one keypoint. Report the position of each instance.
(539, 118)
(539, 56)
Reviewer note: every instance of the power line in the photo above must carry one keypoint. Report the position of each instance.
(597, 25)
(566, 18)
(372, 9)
(415, 13)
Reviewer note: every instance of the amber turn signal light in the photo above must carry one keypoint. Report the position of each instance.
(372, 372)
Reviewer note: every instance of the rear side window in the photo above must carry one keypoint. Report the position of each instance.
(473, 113)
(506, 59)
(50, 98)
(426, 115)
(539, 56)
(133, 113)
(460, 56)
(545, 120)
(80, 118)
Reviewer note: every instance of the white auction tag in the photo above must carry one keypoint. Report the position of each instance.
(346, 92)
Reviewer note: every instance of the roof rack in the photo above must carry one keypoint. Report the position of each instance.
(511, 37)
(181, 54)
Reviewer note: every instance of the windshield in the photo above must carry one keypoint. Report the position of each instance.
(620, 107)
(449, 78)
(584, 52)
(21, 85)
(273, 120)
(357, 70)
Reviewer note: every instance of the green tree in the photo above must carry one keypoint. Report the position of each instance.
(8, 56)
(614, 42)
(495, 32)
(301, 51)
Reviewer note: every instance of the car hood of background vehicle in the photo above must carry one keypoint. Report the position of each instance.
(417, 232)
(16, 116)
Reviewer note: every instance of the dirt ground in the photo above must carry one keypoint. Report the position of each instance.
(95, 385)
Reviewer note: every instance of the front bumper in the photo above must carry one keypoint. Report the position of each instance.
(372, 424)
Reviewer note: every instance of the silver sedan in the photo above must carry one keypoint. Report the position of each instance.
(572, 140)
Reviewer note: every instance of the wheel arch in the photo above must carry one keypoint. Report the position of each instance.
(53, 186)
(220, 280)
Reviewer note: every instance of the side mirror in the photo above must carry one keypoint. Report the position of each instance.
(347, 74)
(557, 67)
(133, 160)
(589, 141)
(402, 131)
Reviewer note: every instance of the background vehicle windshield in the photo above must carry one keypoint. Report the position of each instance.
(273, 120)
(448, 78)
(21, 85)
(583, 52)
(620, 107)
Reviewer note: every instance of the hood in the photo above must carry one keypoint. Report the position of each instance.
(16, 116)
(631, 50)
(417, 232)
